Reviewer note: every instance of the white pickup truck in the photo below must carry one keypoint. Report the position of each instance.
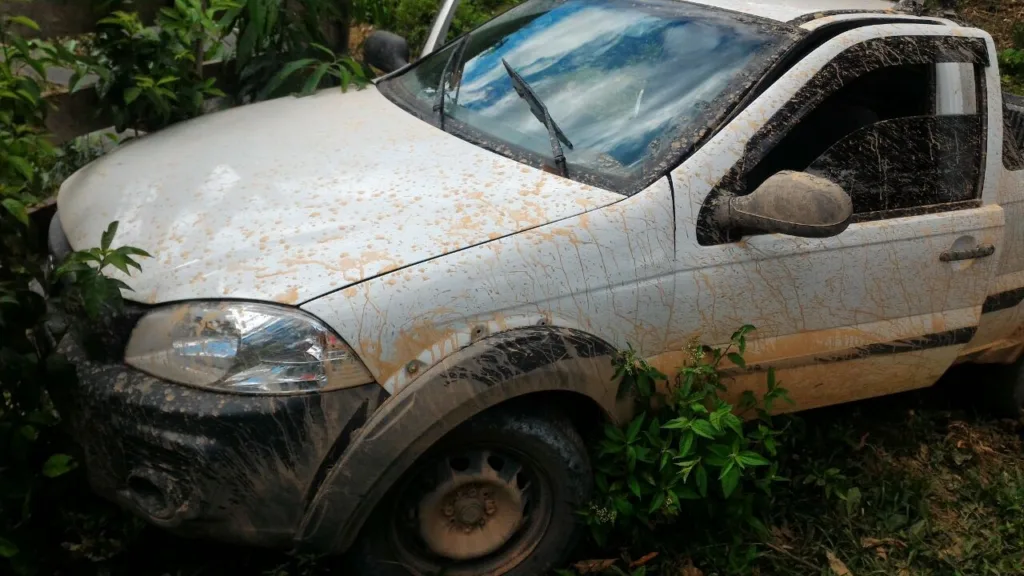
(392, 312)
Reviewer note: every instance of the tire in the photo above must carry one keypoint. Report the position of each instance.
(1004, 395)
(552, 458)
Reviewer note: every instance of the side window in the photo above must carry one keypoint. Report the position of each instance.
(906, 163)
(891, 140)
(1013, 131)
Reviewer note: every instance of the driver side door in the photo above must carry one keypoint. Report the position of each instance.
(896, 115)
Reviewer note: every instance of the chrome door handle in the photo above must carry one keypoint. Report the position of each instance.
(980, 251)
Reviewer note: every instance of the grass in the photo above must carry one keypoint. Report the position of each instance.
(909, 485)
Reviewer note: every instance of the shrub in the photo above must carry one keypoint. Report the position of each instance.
(284, 47)
(152, 76)
(32, 449)
(686, 444)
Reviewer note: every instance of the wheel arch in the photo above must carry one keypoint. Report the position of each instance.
(571, 369)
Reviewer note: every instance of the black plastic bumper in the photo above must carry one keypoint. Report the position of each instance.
(231, 467)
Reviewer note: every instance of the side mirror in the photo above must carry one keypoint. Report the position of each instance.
(386, 51)
(793, 203)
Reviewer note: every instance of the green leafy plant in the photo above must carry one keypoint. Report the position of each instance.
(152, 76)
(91, 290)
(34, 454)
(342, 69)
(1011, 67)
(684, 444)
(24, 147)
(286, 47)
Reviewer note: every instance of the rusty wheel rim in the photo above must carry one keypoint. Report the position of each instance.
(479, 512)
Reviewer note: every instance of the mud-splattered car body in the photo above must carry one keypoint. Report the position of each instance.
(462, 275)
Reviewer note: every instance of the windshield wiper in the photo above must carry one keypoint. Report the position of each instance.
(453, 62)
(540, 112)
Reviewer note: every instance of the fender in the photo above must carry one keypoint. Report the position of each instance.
(482, 375)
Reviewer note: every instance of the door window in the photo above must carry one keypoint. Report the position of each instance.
(884, 139)
(902, 131)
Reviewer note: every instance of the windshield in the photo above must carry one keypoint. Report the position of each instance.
(632, 84)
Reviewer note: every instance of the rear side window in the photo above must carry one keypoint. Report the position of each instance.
(1013, 131)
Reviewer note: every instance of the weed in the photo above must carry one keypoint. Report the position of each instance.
(283, 47)
(150, 77)
(686, 444)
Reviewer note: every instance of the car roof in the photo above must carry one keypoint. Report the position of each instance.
(787, 10)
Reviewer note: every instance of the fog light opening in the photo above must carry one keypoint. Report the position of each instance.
(149, 497)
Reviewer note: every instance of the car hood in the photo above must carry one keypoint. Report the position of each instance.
(292, 198)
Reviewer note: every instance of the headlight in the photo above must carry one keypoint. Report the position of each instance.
(243, 347)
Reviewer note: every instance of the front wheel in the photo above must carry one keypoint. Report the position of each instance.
(494, 497)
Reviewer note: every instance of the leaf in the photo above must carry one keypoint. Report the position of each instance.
(108, 236)
(643, 560)
(134, 251)
(29, 432)
(853, 498)
(344, 77)
(656, 502)
(58, 465)
(24, 21)
(737, 360)
(688, 494)
(614, 434)
(17, 209)
(866, 542)
(132, 94)
(634, 427)
(716, 419)
(23, 166)
(8, 549)
(78, 81)
(734, 423)
(330, 53)
(644, 384)
(681, 423)
(917, 528)
(730, 480)
(686, 467)
(750, 458)
(284, 73)
(836, 565)
(314, 79)
(246, 43)
(634, 486)
(702, 480)
(118, 261)
(705, 429)
(686, 444)
(594, 566)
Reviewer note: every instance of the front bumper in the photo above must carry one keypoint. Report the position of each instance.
(232, 467)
